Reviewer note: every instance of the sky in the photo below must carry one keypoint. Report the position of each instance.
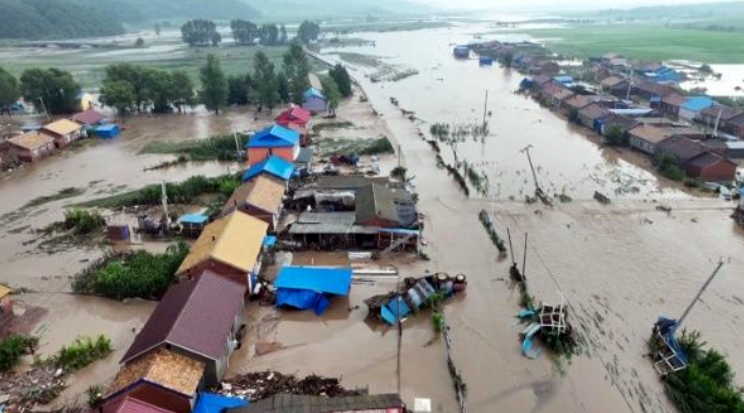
(552, 5)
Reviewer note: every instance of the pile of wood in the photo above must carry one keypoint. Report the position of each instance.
(264, 384)
(23, 392)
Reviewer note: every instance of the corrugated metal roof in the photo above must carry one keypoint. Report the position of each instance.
(275, 136)
(265, 194)
(330, 280)
(89, 117)
(697, 103)
(272, 165)
(234, 240)
(62, 127)
(131, 405)
(195, 315)
(337, 223)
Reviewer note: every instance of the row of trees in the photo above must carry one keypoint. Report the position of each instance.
(200, 32)
(52, 90)
(134, 88)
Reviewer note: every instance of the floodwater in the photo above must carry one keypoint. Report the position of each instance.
(618, 267)
(731, 82)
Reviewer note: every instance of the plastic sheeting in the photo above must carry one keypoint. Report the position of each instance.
(302, 300)
(215, 403)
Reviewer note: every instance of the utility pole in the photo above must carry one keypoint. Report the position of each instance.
(697, 296)
(524, 259)
(526, 150)
(718, 120)
(485, 110)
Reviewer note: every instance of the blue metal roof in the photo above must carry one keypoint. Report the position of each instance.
(313, 93)
(697, 103)
(328, 280)
(273, 165)
(193, 219)
(269, 241)
(563, 79)
(215, 403)
(394, 310)
(274, 136)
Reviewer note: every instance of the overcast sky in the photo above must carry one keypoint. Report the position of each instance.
(551, 5)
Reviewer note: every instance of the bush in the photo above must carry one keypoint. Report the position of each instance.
(139, 274)
(488, 225)
(82, 352)
(399, 172)
(616, 136)
(13, 347)
(83, 222)
(381, 145)
(668, 166)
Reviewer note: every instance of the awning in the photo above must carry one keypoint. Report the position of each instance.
(194, 219)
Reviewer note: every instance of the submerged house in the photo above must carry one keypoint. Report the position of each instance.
(591, 114)
(63, 131)
(725, 117)
(314, 101)
(274, 140)
(260, 197)
(711, 167)
(554, 94)
(296, 115)
(31, 146)
(645, 138)
(273, 166)
(307, 288)
(681, 148)
(90, 117)
(199, 318)
(670, 104)
(164, 378)
(230, 246)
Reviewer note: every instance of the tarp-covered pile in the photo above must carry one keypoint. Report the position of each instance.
(309, 287)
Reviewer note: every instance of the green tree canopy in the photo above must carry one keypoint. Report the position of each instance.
(343, 80)
(268, 35)
(118, 94)
(214, 84)
(239, 89)
(283, 36)
(52, 89)
(183, 89)
(297, 69)
(200, 32)
(331, 92)
(267, 94)
(138, 78)
(9, 89)
(282, 87)
(308, 31)
(243, 31)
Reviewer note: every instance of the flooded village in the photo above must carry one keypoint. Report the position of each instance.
(481, 225)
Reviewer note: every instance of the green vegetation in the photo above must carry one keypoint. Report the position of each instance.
(179, 193)
(331, 92)
(83, 222)
(341, 76)
(10, 91)
(399, 172)
(82, 352)
(34, 19)
(214, 85)
(62, 194)
(13, 348)
(616, 137)
(139, 274)
(478, 181)
(243, 31)
(644, 41)
(296, 69)
(200, 32)
(135, 88)
(51, 89)
(707, 384)
(95, 395)
(215, 148)
(308, 31)
(318, 127)
(488, 225)
(371, 146)
(668, 166)
(378, 146)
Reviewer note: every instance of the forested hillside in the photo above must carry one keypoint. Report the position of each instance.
(45, 19)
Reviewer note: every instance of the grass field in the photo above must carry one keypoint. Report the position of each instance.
(646, 42)
(87, 65)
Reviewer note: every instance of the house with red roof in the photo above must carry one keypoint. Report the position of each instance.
(294, 115)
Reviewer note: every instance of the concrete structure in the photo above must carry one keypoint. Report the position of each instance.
(199, 318)
(711, 167)
(645, 138)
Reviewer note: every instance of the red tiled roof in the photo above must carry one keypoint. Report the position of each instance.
(295, 114)
(194, 315)
(89, 117)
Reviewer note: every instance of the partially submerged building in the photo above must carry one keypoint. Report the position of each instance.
(63, 131)
(260, 197)
(645, 138)
(88, 118)
(275, 140)
(272, 166)
(380, 206)
(230, 246)
(200, 318)
(314, 101)
(305, 287)
(711, 167)
(284, 403)
(31, 146)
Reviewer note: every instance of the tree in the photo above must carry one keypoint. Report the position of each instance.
(216, 39)
(343, 80)
(184, 90)
(308, 31)
(9, 90)
(140, 42)
(283, 37)
(266, 82)
(157, 29)
(331, 92)
(118, 94)
(297, 69)
(52, 89)
(238, 90)
(214, 84)
(161, 90)
(199, 32)
(282, 87)
(137, 76)
(268, 35)
(615, 136)
(243, 31)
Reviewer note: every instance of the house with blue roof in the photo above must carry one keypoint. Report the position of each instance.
(693, 106)
(275, 140)
(314, 101)
(273, 166)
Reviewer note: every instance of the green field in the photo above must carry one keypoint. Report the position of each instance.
(645, 42)
(87, 65)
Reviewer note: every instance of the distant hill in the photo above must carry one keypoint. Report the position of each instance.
(44, 19)
(681, 11)
(318, 9)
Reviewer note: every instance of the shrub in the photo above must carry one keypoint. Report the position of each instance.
(616, 136)
(13, 347)
(668, 166)
(83, 222)
(82, 352)
(139, 274)
(381, 145)
(399, 172)
(488, 225)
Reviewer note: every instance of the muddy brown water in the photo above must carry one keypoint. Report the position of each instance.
(618, 266)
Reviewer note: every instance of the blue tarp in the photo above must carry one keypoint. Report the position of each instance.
(275, 136)
(195, 219)
(485, 60)
(215, 403)
(107, 131)
(302, 300)
(396, 306)
(330, 280)
(668, 328)
(564, 79)
(273, 165)
(269, 241)
(313, 93)
(697, 103)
